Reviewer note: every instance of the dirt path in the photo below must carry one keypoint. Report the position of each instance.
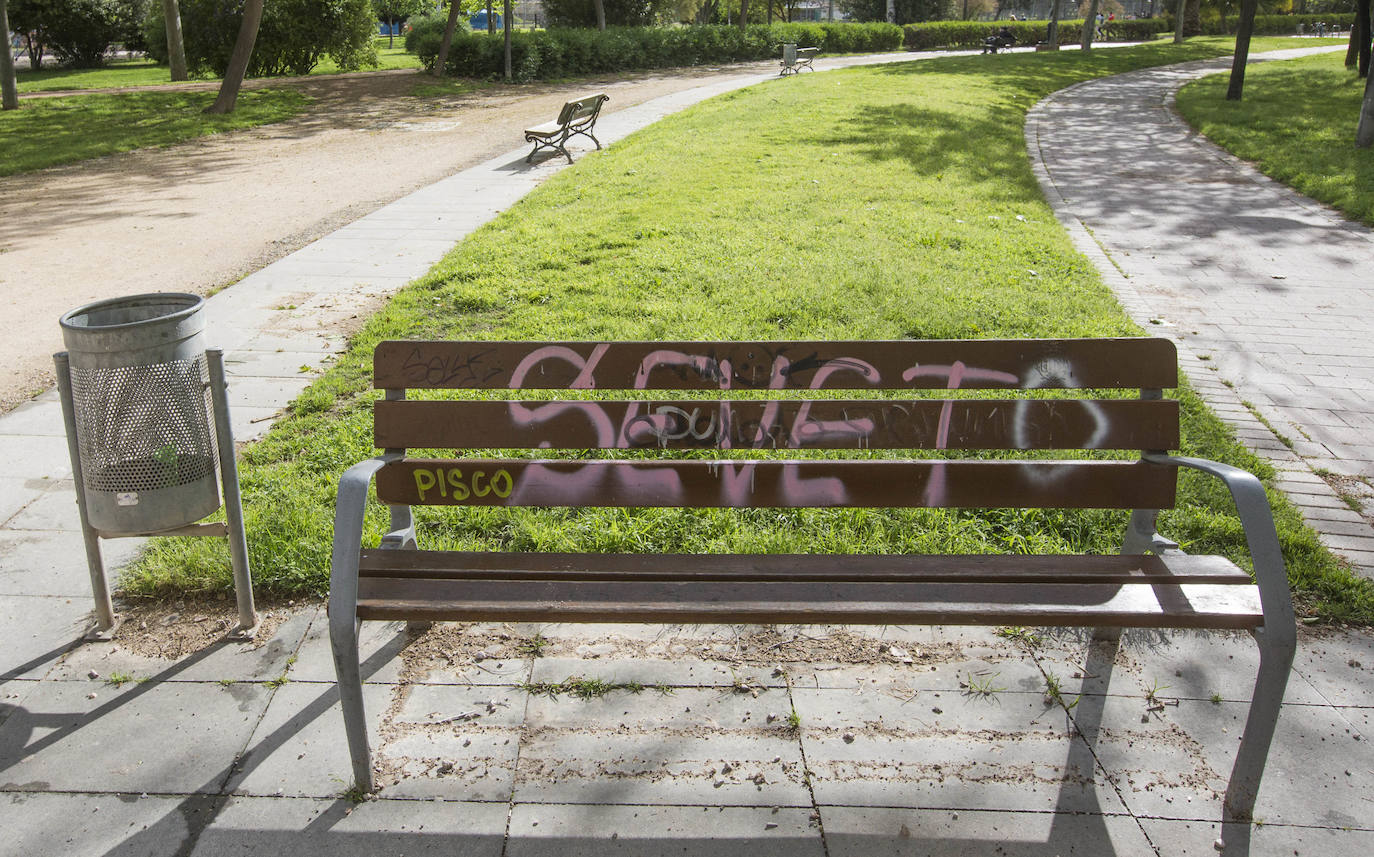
(202, 214)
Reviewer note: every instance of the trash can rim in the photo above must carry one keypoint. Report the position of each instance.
(193, 304)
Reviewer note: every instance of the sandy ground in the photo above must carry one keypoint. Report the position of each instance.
(200, 215)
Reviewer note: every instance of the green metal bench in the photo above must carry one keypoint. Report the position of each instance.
(761, 404)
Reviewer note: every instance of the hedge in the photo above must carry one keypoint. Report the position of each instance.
(559, 53)
(970, 34)
(1274, 25)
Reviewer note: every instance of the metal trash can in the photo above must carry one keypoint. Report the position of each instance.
(142, 406)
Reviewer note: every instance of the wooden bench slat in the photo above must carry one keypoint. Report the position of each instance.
(795, 424)
(1198, 605)
(897, 364)
(779, 484)
(914, 568)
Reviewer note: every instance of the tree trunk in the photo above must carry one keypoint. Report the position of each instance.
(600, 6)
(1052, 32)
(1244, 28)
(9, 90)
(441, 61)
(743, 14)
(892, 11)
(1364, 132)
(491, 21)
(1192, 18)
(506, 26)
(1362, 26)
(238, 60)
(176, 45)
(1090, 26)
(1178, 22)
(391, 32)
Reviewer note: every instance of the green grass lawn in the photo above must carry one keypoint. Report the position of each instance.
(1296, 123)
(51, 131)
(883, 202)
(145, 72)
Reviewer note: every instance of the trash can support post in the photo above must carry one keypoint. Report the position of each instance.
(100, 588)
(233, 506)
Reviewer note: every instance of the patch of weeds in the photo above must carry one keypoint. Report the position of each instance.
(355, 795)
(981, 685)
(1017, 634)
(118, 679)
(794, 721)
(1254, 412)
(1153, 691)
(748, 684)
(226, 682)
(533, 647)
(277, 682)
(1216, 699)
(579, 687)
(1054, 693)
(665, 689)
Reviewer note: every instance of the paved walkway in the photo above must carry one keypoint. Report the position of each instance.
(1269, 294)
(238, 748)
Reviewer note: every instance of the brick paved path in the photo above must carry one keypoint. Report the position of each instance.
(1272, 291)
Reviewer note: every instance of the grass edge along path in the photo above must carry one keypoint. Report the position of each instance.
(51, 132)
(1296, 125)
(883, 202)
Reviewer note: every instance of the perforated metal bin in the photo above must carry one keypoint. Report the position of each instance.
(142, 408)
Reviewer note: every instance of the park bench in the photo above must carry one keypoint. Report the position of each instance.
(794, 59)
(760, 405)
(576, 117)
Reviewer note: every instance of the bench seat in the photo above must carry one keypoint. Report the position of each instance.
(1172, 591)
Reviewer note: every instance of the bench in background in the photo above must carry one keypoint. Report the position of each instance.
(576, 117)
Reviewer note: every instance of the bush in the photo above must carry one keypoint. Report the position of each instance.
(970, 34)
(566, 52)
(293, 37)
(78, 31)
(1272, 25)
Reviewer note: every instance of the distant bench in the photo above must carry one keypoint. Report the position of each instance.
(1151, 584)
(576, 117)
(794, 59)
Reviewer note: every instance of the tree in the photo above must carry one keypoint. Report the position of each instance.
(1178, 22)
(238, 60)
(176, 45)
(1052, 31)
(600, 7)
(9, 89)
(1364, 131)
(441, 61)
(395, 11)
(1361, 31)
(1089, 26)
(1242, 55)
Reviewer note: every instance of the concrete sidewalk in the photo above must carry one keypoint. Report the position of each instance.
(1268, 293)
(909, 741)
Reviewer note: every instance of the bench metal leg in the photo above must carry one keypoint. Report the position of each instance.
(344, 642)
(1276, 660)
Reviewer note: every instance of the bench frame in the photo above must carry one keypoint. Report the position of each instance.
(576, 117)
(585, 365)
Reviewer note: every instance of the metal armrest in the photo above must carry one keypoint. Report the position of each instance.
(348, 536)
(1255, 516)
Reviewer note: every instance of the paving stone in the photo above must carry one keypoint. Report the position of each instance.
(661, 749)
(326, 828)
(298, 749)
(384, 650)
(37, 457)
(54, 563)
(558, 830)
(880, 832)
(686, 672)
(219, 661)
(1195, 838)
(98, 825)
(53, 509)
(1001, 750)
(1339, 664)
(152, 737)
(41, 415)
(38, 630)
(1174, 763)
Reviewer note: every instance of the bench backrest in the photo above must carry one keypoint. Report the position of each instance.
(582, 110)
(761, 405)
